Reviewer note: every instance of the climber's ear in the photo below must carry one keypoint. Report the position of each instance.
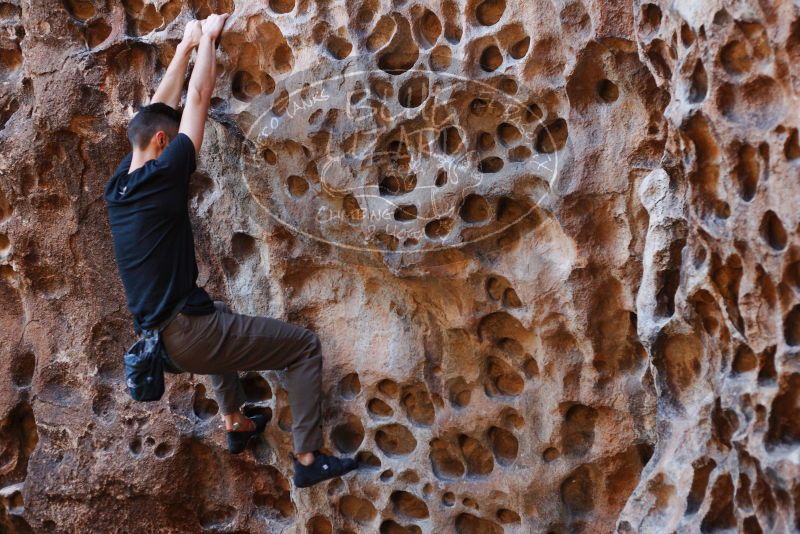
(161, 140)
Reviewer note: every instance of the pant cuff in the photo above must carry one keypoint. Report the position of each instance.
(229, 411)
(308, 443)
(231, 406)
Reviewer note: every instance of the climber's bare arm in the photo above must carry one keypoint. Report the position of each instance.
(171, 86)
(201, 84)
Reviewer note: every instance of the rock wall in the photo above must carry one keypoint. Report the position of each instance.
(551, 250)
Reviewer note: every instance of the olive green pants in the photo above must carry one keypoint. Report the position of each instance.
(222, 343)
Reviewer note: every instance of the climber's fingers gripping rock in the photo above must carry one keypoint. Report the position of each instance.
(214, 24)
(192, 33)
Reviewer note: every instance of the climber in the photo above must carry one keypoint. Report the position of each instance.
(147, 208)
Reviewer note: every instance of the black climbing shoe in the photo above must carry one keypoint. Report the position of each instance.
(238, 440)
(324, 468)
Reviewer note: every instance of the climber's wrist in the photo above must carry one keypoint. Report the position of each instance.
(207, 37)
(184, 48)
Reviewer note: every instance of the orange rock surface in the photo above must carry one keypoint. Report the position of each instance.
(551, 250)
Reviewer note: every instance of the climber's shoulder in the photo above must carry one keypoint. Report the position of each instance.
(179, 156)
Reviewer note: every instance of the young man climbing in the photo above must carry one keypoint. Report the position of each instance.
(147, 207)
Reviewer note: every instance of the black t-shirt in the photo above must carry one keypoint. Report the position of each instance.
(153, 241)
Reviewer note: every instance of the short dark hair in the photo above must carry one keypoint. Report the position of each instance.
(151, 119)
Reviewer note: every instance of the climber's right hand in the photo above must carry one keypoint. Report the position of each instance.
(212, 26)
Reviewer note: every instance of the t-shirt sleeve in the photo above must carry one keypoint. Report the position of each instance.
(179, 156)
